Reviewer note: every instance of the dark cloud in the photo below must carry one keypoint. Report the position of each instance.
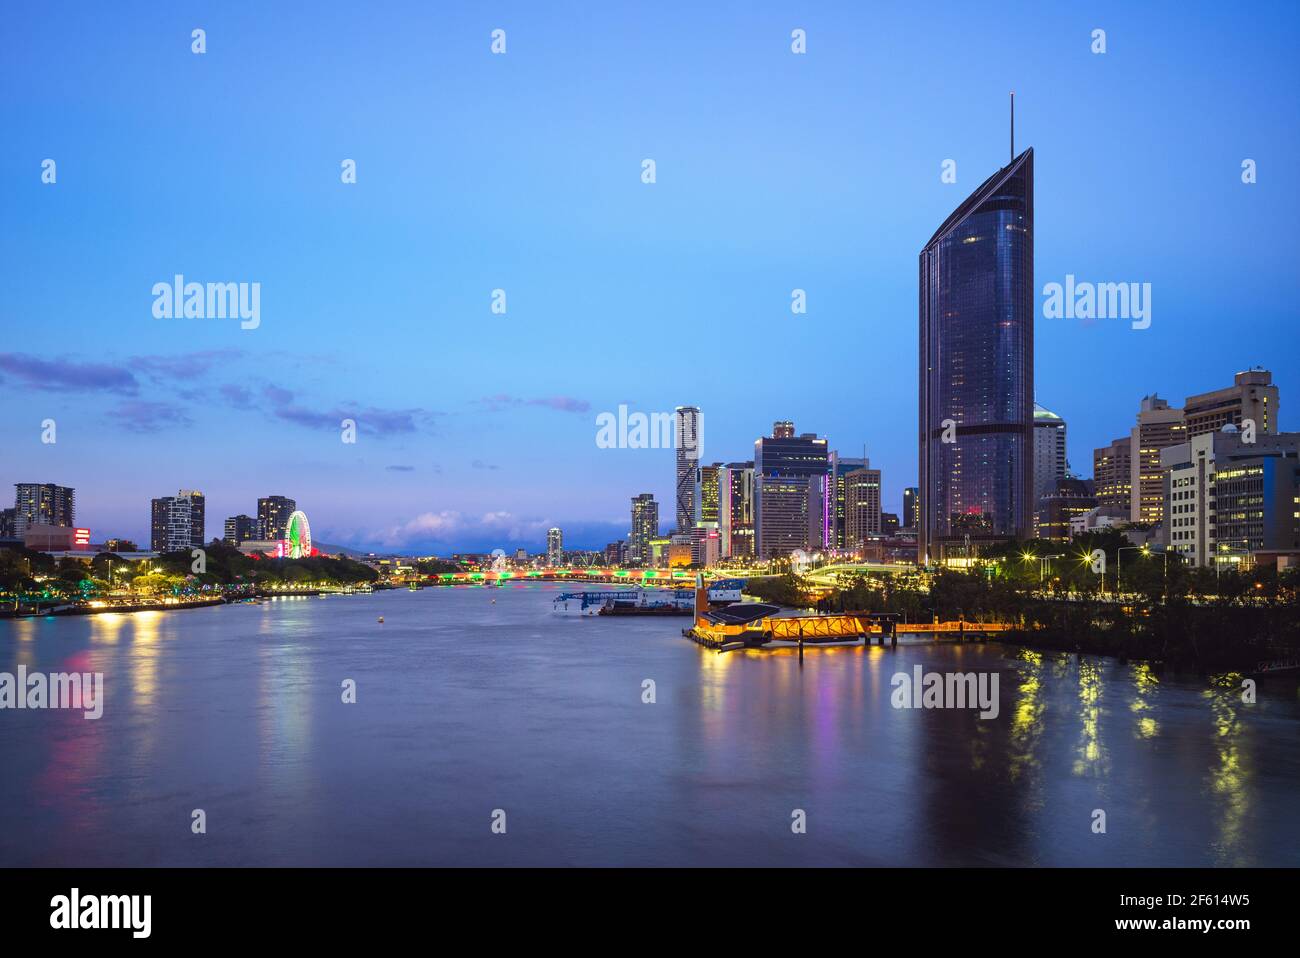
(400, 468)
(67, 376)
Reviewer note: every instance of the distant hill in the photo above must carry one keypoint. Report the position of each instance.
(339, 550)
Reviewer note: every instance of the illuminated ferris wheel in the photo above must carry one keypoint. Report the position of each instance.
(297, 536)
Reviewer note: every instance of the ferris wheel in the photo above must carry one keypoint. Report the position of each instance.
(297, 536)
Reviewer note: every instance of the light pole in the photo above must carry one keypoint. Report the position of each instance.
(1119, 563)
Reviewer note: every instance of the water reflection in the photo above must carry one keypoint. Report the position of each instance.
(239, 708)
(1145, 684)
(1026, 715)
(1090, 755)
(1229, 778)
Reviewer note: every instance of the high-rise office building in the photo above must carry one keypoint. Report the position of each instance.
(977, 304)
(1158, 426)
(554, 547)
(1112, 477)
(1227, 501)
(8, 520)
(736, 509)
(837, 526)
(176, 522)
(1252, 395)
(645, 526)
(709, 476)
(911, 507)
(862, 516)
(240, 529)
(273, 514)
(688, 439)
(1049, 453)
(791, 486)
(44, 504)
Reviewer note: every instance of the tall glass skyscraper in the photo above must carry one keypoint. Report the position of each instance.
(977, 369)
(688, 441)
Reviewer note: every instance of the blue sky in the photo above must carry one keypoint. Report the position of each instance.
(522, 172)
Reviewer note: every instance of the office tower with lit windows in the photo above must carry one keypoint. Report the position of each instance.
(240, 529)
(791, 483)
(554, 547)
(1232, 504)
(645, 526)
(837, 525)
(176, 522)
(736, 510)
(862, 515)
(1252, 396)
(689, 439)
(273, 514)
(1159, 426)
(42, 504)
(709, 476)
(1112, 474)
(977, 307)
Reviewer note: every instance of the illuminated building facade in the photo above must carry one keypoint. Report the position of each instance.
(1227, 501)
(736, 509)
(176, 522)
(42, 503)
(240, 529)
(1252, 395)
(645, 526)
(688, 439)
(977, 307)
(273, 514)
(1158, 427)
(791, 481)
(841, 466)
(862, 516)
(1112, 474)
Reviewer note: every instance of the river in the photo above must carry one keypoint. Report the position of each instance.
(477, 706)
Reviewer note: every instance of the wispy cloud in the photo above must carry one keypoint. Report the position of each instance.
(400, 468)
(145, 417)
(284, 405)
(559, 403)
(66, 375)
(185, 365)
(453, 526)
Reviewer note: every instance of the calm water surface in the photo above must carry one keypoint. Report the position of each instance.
(466, 705)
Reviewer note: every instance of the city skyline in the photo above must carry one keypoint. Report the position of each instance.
(385, 321)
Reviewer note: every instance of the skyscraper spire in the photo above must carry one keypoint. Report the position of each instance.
(1013, 126)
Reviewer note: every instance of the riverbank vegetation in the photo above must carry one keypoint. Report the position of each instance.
(29, 576)
(1138, 604)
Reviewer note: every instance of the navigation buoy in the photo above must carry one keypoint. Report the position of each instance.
(381, 619)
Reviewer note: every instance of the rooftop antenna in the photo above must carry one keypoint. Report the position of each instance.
(1013, 125)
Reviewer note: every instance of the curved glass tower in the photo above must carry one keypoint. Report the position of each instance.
(977, 370)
